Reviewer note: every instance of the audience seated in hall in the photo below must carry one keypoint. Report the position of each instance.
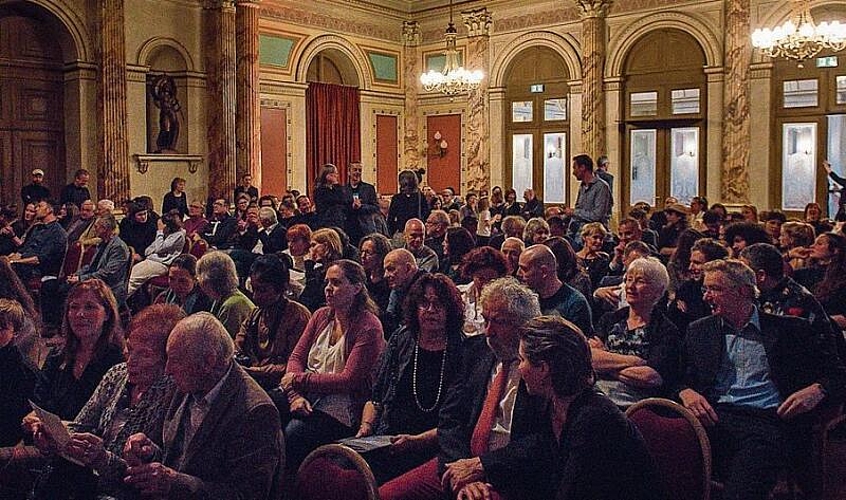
(168, 244)
(41, 254)
(414, 236)
(183, 289)
(19, 374)
(218, 280)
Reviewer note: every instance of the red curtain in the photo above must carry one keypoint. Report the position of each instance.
(333, 129)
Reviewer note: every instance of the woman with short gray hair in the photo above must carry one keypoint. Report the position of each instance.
(636, 350)
(218, 279)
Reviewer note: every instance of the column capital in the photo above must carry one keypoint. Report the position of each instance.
(249, 4)
(219, 5)
(593, 8)
(411, 33)
(477, 21)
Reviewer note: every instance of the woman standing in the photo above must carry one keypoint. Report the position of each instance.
(512, 206)
(329, 372)
(594, 451)
(409, 203)
(176, 199)
(413, 377)
(331, 200)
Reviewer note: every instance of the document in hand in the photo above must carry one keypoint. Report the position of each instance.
(365, 444)
(52, 425)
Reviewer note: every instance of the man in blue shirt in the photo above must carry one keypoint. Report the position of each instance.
(594, 201)
(753, 379)
(44, 250)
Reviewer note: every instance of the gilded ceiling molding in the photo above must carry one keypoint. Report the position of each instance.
(331, 23)
(562, 15)
(565, 46)
(622, 41)
(410, 33)
(594, 8)
(621, 6)
(477, 22)
(323, 42)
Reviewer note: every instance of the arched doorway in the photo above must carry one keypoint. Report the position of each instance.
(32, 121)
(537, 124)
(664, 105)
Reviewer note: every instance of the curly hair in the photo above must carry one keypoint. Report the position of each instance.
(484, 258)
(447, 293)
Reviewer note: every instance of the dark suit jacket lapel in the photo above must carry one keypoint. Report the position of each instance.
(481, 378)
(711, 344)
(171, 425)
(218, 408)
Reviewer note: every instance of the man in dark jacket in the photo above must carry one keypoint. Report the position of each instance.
(365, 204)
(77, 191)
(35, 192)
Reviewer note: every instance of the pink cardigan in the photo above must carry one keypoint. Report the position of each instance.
(364, 342)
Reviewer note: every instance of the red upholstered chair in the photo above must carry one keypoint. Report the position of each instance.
(679, 445)
(73, 259)
(834, 459)
(332, 472)
(199, 248)
(87, 256)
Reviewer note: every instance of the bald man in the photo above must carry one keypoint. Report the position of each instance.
(538, 269)
(401, 271)
(221, 437)
(414, 235)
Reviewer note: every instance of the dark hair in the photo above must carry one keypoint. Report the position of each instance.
(408, 181)
(775, 215)
(563, 347)
(584, 161)
(766, 257)
(79, 173)
(446, 291)
(484, 258)
(721, 209)
(272, 270)
(680, 260)
(711, 217)
(172, 221)
(270, 198)
(637, 214)
(750, 232)
(174, 182)
(509, 191)
(557, 221)
(565, 257)
(710, 248)
(834, 280)
(134, 208)
(460, 242)
(381, 244)
(701, 200)
(185, 261)
(809, 205)
(354, 273)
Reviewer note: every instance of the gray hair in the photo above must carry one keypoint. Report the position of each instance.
(203, 335)
(653, 270)
(738, 273)
(218, 270)
(532, 226)
(267, 213)
(108, 221)
(521, 302)
(107, 204)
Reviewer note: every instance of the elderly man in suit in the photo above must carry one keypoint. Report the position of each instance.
(753, 379)
(489, 424)
(221, 437)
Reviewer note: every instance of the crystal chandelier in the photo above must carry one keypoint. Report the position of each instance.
(799, 38)
(453, 79)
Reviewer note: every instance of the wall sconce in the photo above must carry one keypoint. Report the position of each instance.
(440, 145)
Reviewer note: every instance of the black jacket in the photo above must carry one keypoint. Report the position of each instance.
(331, 205)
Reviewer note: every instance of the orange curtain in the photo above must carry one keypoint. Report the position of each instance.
(333, 129)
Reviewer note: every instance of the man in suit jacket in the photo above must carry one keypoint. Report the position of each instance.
(365, 204)
(503, 455)
(221, 437)
(110, 262)
(272, 233)
(752, 379)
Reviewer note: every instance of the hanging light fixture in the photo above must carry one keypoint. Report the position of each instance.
(800, 38)
(453, 79)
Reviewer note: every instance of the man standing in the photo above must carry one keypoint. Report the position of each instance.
(594, 201)
(365, 205)
(35, 192)
(221, 437)
(246, 187)
(414, 236)
(42, 253)
(488, 421)
(752, 378)
(77, 191)
(538, 269)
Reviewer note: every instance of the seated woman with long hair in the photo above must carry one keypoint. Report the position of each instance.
(183, 289)
(794, 241)
(830, 250)
(592, 451)
(458, 242)
(326, 248)
(591, 259)
(372, 250)
(329, 373)
(414, 374)
(132, 397)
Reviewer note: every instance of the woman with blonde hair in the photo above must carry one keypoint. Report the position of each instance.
(591, 259)
(795, 240)
(325, 248)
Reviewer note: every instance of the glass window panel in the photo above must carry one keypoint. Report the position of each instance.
(841, 90)
(801, 93)
(642, 167)
(798, 165)
(644, 103)
(684, 163)
(554, 167)
(521, 162)
(685, 101)
(554, 109)
(521, 111)
(836, 153)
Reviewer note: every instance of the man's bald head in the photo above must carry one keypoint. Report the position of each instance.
(400, 267)
(199, 351)
(538, 267)
(414, 234)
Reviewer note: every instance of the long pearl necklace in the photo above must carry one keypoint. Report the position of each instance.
(440, 380)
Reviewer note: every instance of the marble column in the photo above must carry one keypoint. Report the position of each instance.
(734, 179)
(593, 14)
(221, 101)
(411, 83)
(248, 108)
(478, 146)
(113, 167)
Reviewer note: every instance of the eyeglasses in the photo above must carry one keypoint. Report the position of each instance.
(425, 305)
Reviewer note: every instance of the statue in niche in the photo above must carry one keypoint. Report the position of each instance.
(163, 91)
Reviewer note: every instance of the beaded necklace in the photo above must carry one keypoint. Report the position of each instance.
(440, 380)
